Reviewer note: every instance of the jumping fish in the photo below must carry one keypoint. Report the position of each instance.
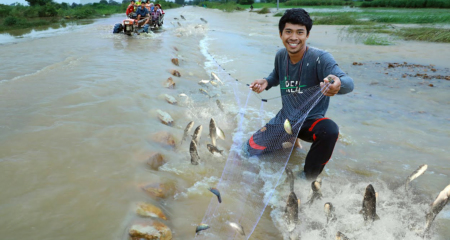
(219, 104)
(204, 92)
(422, 168)
(220, 133)
(316, 193)
(217, 193)
(194, 153)
(341, 236)
(287, 127)
(213, 131)
(201, 227)
(213, 149)
(237, 227)
(182, 17)
(329, 212)
(203, 82)
(438, 204)
(213, 75)
(369, 204)
(170, 99)
(187, 130)
(203, 20)
(290, 177)
(197, 134)
(291, 210)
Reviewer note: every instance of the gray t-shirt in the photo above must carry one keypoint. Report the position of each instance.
(315, 65)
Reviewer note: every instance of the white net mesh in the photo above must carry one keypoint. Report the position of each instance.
(255, 163)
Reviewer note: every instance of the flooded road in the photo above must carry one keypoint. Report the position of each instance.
(78, 112)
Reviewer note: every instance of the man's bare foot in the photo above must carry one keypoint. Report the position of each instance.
(298, 144)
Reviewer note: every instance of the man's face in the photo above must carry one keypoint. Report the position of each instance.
(294, 37)
(142, 6)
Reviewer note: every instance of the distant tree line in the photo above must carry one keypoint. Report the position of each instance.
(408, 3)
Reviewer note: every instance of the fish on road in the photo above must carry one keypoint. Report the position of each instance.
(369, 205)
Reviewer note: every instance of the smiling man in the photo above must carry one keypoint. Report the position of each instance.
(297, 67)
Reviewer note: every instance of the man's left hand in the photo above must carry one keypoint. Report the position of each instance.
(332, 89)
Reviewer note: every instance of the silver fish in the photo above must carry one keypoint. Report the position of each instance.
(213, 149)
(204, 92)
(187, 130)
(215, 77)
(341, 236)
(182, 17)
(201, 227)
(213, 131)
(291, 210)
(329, 212)
(219, 104)
(438, 204)
(237, 227)
(422, 168)
(290, 178)
(203, 82)
(194, 153)
(220, 133)
(369, 204)
(197, 134)
(179, 24)
(316, 193)
(288, 127)
(203, 20)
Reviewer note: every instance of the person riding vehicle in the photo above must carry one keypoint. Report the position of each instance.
(142, 13)
(130, 9)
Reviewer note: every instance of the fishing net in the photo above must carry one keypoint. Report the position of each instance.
(256, 161)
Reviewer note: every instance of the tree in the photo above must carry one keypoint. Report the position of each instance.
(39, 2)
(181, 2)
(103, 2)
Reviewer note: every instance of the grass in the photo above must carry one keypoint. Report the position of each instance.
(337, 20)
(425, 34)
(263, 10)
(373, 39)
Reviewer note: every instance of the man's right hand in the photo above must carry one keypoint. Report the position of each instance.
(259, 85)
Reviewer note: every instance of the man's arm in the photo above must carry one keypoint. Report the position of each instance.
(268, 82)
(327, 67)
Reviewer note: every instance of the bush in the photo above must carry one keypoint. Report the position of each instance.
(4, 10)
(263, 10)
(10, 21)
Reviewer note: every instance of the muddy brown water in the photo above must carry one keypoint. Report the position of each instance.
(78, 108)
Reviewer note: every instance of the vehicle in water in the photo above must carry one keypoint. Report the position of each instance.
(132, 25)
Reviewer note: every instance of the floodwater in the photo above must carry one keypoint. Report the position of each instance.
(78, 108)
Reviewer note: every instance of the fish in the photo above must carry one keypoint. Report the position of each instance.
(316, 193)
(341, 236)
(438, 204)
(182, 17)
(204, 92)
(219, 104)
(182, 95)
(369, 208)
(422, 168)
(179, 24)
(187, 130)
(204, 20)
(194, 153)
(287, 145)
(213, 83)
(213, 149)
(329, 212)
(291, 210)
(203, 82)
(165, 117)
(170, 99)
(217, 193)
(213, 131)
(197, 134)
(175, 18)
(237, 227)
(290, 177)
(201, 227)
(287, 127)
(215, 77)
(220, 133)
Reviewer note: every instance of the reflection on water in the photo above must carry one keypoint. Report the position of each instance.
(42, 31)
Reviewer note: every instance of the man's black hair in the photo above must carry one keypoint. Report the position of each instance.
(296, 16)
